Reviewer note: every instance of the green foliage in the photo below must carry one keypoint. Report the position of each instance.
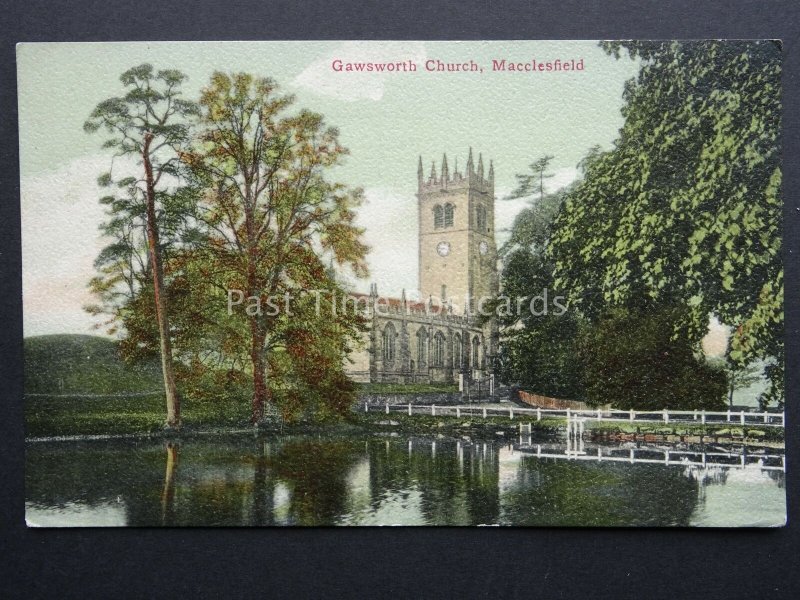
(272, 218)
(537, 351)
(528, 183)
(686, 209)
(633, 361)
(242, 202)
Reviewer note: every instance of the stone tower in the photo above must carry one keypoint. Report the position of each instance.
(457, 251)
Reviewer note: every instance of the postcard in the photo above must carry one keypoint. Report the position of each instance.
(515, 283)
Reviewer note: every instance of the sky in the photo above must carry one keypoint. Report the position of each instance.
(387, 120)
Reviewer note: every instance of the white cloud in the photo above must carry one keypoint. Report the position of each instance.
(60, 240)
(390, 222)
(320, 78)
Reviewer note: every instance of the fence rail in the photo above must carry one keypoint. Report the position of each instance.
(662, 456)
(765, 419)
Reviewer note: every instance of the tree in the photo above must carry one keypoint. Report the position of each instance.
(271, 213)
(148, 123)
(527, 183)
(538, 348)
(685, 210)
(633, 361)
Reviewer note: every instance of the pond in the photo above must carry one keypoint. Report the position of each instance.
(248, 480)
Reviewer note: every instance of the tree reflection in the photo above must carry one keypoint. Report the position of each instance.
(246, 480)
(168, 493)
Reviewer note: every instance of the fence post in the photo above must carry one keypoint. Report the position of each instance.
(666, 416)
(458, 412)
(387, 408)
(568, 414)
(599, 414)
(433, 410)
(409, 409)
(703, 417)
(484, 412)
(630, 415)
(729, 416)
(741, 417)
(766, 417)
(366, 407)
(538, 414)
(510, 413)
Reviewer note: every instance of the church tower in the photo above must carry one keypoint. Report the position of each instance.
(457, 251)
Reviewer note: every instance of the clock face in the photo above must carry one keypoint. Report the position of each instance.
(483, 247)
(443, 248)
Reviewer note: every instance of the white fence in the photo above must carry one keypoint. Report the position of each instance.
(764, 419)
(660, 456)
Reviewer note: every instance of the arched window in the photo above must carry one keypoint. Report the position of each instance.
(457, 352)
(476, 352)
(389, 336)
(481, 218)
(438, 349)
(422, 347)
(448, 215)
(438, 216)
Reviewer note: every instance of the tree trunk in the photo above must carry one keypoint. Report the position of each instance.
(154, 249)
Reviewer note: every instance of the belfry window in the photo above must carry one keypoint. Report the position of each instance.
(481, 219)
(457, 356)
(438, 216)
(448, 215)
(476, 352)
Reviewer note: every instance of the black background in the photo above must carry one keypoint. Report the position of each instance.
(403, 562)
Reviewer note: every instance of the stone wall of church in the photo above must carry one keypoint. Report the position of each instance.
(423, 348)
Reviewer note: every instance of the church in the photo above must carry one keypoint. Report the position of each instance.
(442, 337)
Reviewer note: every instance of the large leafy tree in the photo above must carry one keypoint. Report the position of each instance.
(148, 123)
(685, 210)
(632, 360)
(538, 343)
(272, 216)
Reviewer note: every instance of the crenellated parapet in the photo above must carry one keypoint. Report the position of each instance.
(472, 178)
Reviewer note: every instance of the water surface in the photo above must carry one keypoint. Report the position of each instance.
(254, 481)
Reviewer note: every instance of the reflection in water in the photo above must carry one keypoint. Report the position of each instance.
(168, 494)
(246, 480)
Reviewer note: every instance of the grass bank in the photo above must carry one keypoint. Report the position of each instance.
(52, 416)
(57, 416)
(400, 388)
